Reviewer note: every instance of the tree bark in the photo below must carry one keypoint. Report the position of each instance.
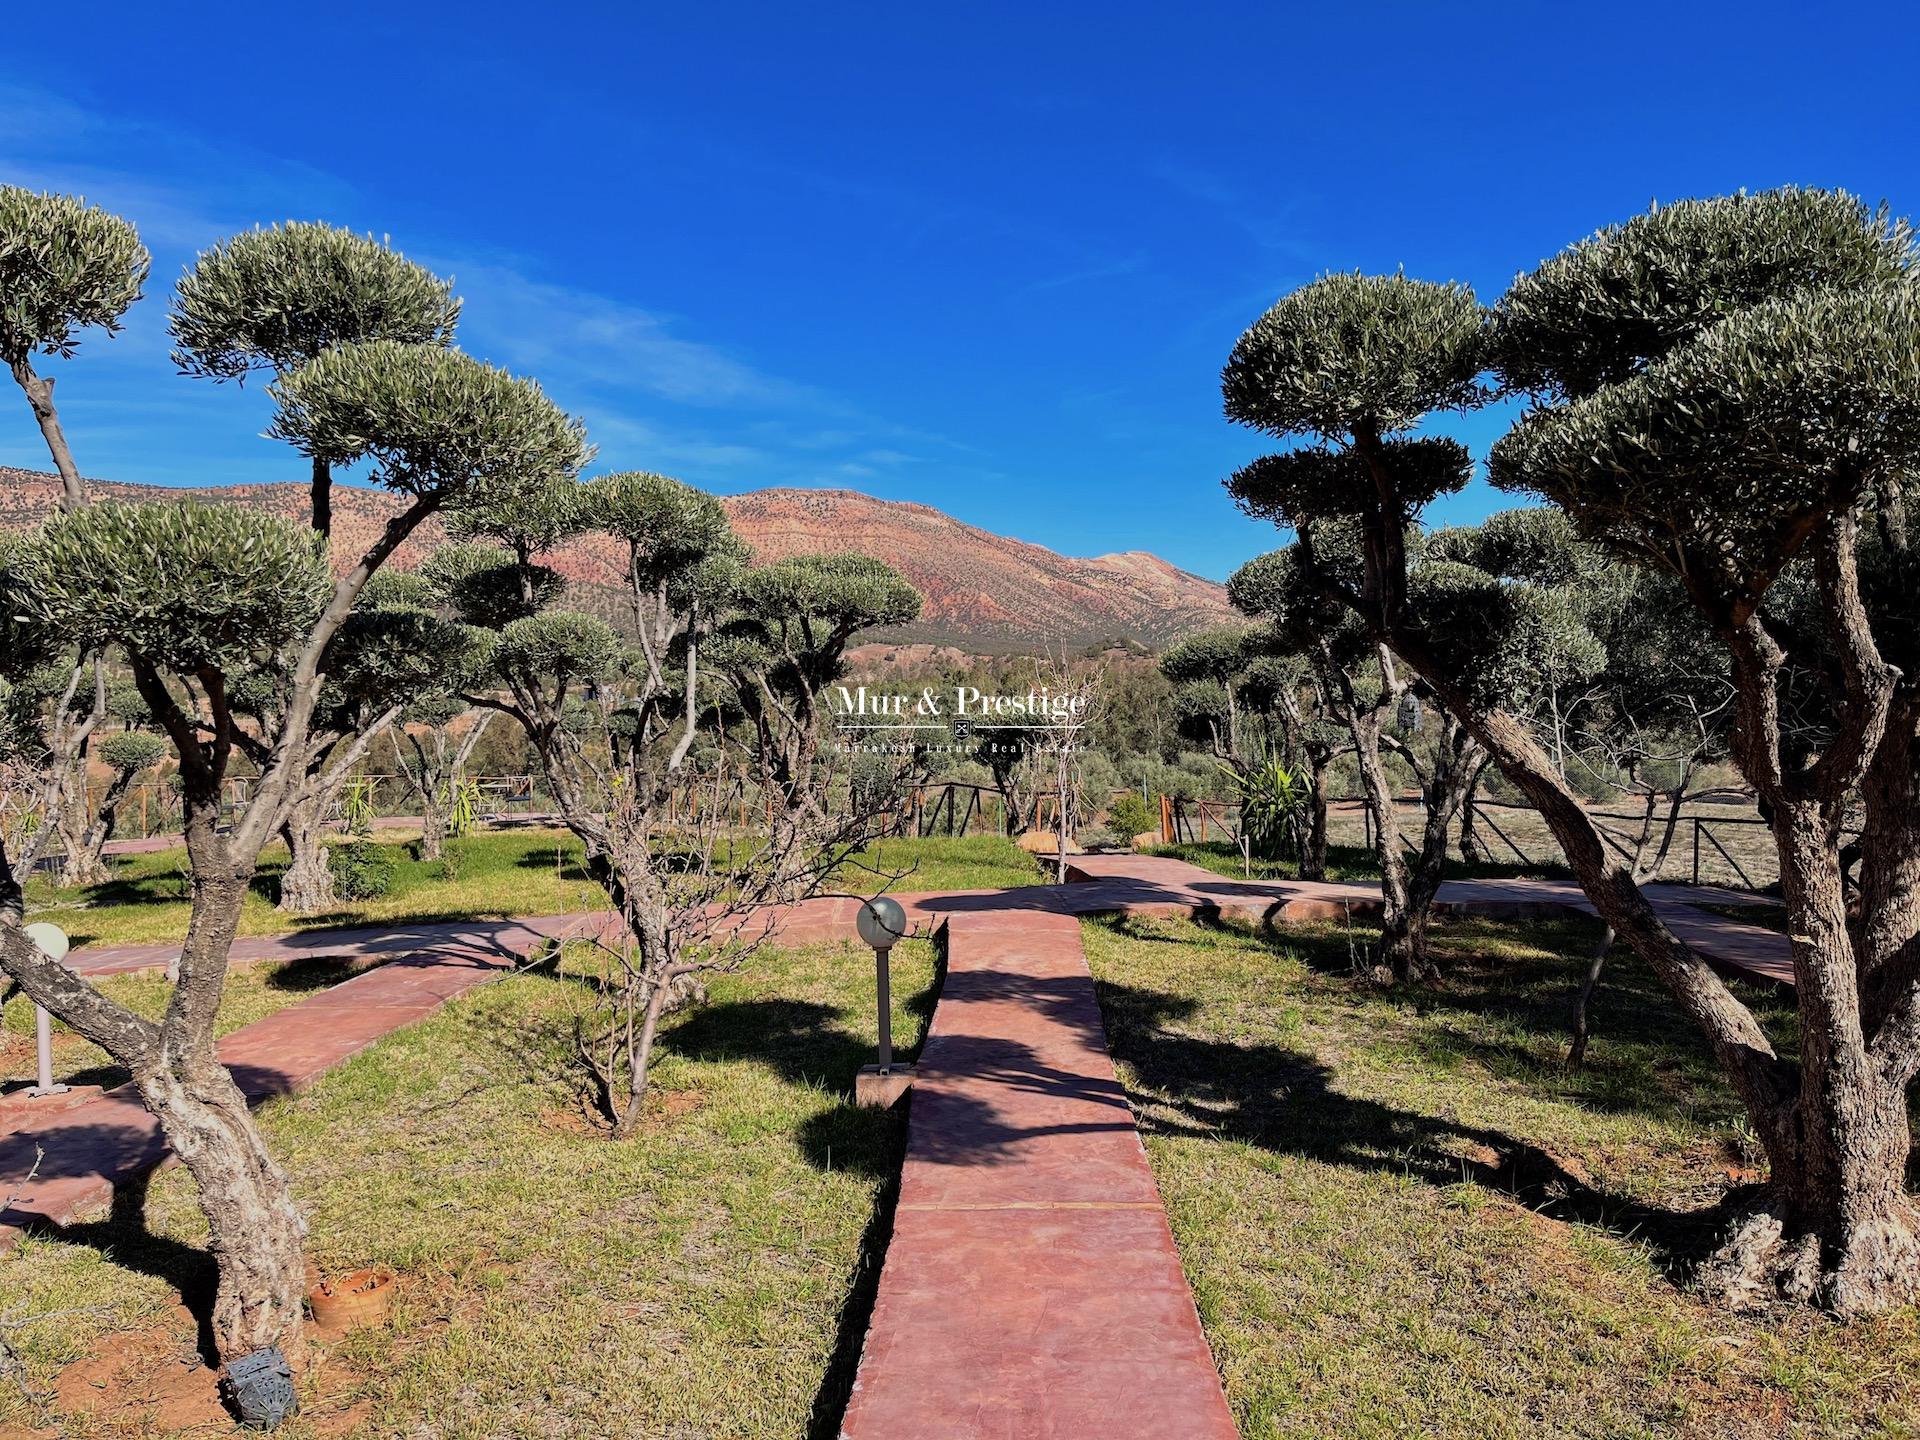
(86, 864)
(322, 492)
(1473, 849)
(1403, 928)
(81, 864)
(1313, 851)
(433, 819)
(307, 885)
(39, 391)
(255, 1230)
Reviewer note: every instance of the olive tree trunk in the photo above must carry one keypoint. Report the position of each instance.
(86, 862)
(81, 863)
(307, 885)
(1473, 849)
(1313, 847)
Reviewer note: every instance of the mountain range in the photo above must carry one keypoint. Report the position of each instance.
(984, 593)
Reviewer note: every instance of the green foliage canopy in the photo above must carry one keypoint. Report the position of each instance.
(134, 751)
(1601, 311)
(274, 299)
(182, 585)
(436, 423)
(527, 519)
(1357, 352)
(1717, 459)
(64, 265)
(675, 535)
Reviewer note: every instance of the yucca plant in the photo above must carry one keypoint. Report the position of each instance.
(463, 806)
(1269, 794)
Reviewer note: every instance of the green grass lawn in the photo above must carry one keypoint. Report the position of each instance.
(969, 862)
(701, 1279)
(1344, 862)
(484, 876)
(1403, 1216)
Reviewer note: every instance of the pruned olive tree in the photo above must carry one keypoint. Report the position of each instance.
(1643, 719)
(393, 649)
(690, 895)
(194, 596)
(527, 523)
(1237, 691)
(65, 267)
(270, 300)
(127, 756)
(433, 742)
(1728, 392)
(1364, 690)
(784, 643)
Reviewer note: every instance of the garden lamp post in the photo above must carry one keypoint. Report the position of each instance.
(53, 943)
(882, 923)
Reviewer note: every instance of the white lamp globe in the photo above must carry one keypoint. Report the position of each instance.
(882, 922)
(51, 939)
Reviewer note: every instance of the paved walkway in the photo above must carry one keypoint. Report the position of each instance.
(1031, 1286)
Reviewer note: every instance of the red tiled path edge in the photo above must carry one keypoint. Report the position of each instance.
(1031, 1287)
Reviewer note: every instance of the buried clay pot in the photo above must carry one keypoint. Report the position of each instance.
(359, 1298)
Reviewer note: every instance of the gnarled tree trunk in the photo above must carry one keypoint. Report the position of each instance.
(307, 885)
(86, 863)
(1473, 849)
(81, 863)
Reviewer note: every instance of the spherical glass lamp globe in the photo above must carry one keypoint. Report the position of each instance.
(882, 922)
(50, 938)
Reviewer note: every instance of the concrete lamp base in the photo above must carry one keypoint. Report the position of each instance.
(881, 1091)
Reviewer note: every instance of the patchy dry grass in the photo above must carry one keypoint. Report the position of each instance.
(1403, 1216)
(701, 1279)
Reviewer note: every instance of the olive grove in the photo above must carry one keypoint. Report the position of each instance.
(1724, 394)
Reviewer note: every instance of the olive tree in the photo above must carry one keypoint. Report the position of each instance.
(194, 596)
(1237, 692)
(1364, 690)
(529, 522)
(1641, 717)
(127, 756)
(689, 896)
(270, 300)
(392, 650)
(785, 642)
(65, 266)
(1727, 392)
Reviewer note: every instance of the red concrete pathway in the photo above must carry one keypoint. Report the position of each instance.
(1031, 1287)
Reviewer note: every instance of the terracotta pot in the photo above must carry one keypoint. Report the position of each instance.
(364, 1297)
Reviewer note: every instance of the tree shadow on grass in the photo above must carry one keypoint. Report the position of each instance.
(1513, 983)
(571, 866)
(124, 1237)
(1285, 1101)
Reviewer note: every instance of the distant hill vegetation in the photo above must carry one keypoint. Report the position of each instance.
(985, 593)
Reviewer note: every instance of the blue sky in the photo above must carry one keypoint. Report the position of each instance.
(986, 257)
